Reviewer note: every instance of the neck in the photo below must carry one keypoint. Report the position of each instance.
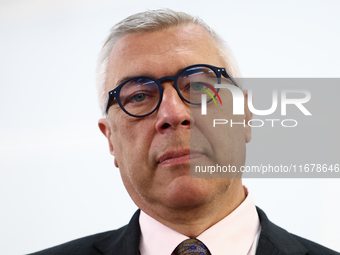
(195, 220)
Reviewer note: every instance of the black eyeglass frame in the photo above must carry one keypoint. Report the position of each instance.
(219, 71)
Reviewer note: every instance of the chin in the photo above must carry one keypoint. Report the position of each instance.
(189, 192)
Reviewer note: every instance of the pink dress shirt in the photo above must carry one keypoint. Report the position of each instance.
(236, 234)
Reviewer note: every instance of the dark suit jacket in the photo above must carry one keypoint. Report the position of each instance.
(273, 240)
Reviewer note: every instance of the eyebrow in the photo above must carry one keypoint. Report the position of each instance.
(125, 78)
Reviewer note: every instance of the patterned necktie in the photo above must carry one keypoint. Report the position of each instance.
(191, 246)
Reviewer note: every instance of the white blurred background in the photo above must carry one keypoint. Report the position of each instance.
(57, 178)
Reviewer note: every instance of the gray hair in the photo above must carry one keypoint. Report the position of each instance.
(154, 20)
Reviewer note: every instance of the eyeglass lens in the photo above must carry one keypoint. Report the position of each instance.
(141, 95)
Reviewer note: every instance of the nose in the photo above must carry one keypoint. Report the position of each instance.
(173, 112)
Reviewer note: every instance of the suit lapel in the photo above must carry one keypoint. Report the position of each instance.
(125, 241)
(275, 240)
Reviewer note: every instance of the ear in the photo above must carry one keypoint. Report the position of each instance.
(248, 115)
(105, 127)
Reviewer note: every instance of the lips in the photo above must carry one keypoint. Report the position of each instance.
(178, 156)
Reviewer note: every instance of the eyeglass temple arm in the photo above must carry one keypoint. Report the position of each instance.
(109, 101)
(227, 75)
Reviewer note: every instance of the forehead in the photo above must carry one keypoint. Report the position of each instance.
(161, 53)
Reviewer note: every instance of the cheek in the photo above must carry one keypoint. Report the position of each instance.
(226, 140)
(131, 139)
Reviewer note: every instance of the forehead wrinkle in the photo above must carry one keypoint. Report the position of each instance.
(150, 61)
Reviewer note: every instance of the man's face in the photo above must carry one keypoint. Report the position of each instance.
(153, 152)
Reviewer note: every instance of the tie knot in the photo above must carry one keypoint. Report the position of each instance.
(191, 246)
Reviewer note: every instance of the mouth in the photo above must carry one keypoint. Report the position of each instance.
(175, 157)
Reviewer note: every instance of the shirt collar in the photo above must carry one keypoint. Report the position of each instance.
(235, 233)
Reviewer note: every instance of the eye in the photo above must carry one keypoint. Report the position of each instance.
(193, 86)
(197, 86)
(138, 98)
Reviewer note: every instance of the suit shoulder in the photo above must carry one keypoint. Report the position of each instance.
(276, 240)
(125, 238)
(315, 248)
(82, 246)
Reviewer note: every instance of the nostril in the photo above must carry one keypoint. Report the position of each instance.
(165, 125)
(186, 122)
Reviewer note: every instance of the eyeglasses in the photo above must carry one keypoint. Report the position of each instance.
(140, 96)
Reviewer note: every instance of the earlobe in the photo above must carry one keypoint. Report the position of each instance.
(116, 163)
(248, 115)
(105, 128)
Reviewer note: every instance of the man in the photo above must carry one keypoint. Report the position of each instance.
(145, 76)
